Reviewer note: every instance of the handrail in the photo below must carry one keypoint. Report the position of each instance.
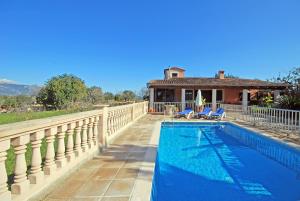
(31, 125)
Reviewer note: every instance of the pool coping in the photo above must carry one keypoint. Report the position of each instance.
(143, 184)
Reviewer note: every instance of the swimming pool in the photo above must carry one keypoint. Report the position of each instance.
(222, 161)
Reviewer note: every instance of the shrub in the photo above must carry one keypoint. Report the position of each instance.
(289, 102)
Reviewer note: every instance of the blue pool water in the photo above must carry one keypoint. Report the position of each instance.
(222, 161)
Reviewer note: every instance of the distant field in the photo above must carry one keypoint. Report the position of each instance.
(16, 117)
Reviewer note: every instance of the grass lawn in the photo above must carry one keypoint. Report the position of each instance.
(16, 117)
(11, 158)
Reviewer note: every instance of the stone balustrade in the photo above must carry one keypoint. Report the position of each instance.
(69, 140)
(120, 116)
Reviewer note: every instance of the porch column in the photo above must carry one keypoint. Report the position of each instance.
(151, 93)
(182, 99)
(214, 99)
(245, 100)
(276, 95)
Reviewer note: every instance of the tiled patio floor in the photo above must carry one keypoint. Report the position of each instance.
(111, 175)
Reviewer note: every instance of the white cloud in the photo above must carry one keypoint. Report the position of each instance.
(7, 81)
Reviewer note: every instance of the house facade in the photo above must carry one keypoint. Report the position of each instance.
(176, 87)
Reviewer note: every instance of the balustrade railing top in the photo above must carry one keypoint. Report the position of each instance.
(14, 129)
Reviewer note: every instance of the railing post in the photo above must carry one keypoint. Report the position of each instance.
(84, 135)
(214, 99)
(60, 156)
(4, 193)
(70, 143)
(77, 146)
(21, 183)
(182, 99)
(36, 176)
(90, 132)
(50, 166)
(245, 100)
(95, 130)
(151, 94)
(104, 122)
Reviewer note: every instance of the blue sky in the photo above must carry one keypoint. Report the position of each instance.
(118, 44)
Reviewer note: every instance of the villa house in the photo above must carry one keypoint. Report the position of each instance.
(175, 87)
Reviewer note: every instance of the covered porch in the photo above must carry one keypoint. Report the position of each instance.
(185, 97)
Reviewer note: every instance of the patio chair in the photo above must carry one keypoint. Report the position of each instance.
(205, 113)
(187, 113)
(219, 114)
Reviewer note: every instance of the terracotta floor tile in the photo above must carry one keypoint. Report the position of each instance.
(105, 173)
(82, 174)
(114, 155)
(115, 199)
(136, 155)
(71, 187)
(92, 164)
(93, 188)
(112, 163)
(127, 173)
(138, 149)
(86, 199)
(120, 188)
(132, 163)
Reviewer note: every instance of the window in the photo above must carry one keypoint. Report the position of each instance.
(219, 95)
(174, 74)
(189, 95)
(207, 95)
(164, 95)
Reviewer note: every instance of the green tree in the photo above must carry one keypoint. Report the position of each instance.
(95, 95)
(226, 76)
(128, 95)
(292, 78)
(109, 96)
(62, 91)
(118, 97)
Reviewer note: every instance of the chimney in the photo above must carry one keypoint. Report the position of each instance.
(221, 74)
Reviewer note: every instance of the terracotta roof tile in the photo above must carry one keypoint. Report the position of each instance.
(216, 82)
(175, 68)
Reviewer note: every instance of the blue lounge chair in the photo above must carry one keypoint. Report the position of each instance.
(219, 114)
(205, 113)
(186, 113)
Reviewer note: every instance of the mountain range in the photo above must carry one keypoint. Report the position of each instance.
(9, 88)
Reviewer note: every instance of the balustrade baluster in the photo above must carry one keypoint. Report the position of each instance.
(77, 146)
(4, 193)
(90, 132)
(50, 166)
(70, 143)
(95, 130)
(60, 155)
(84, 135)
(21, 183)
(36, 175)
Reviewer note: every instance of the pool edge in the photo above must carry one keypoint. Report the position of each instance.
(143, 184)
